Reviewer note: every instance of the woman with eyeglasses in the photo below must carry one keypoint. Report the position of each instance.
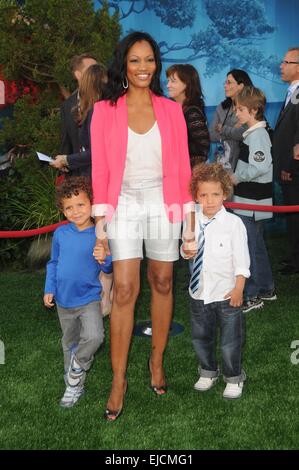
(225, 128)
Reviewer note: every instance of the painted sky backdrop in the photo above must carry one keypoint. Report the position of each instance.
(217, 35)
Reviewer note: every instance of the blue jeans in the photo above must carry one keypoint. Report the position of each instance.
(261, 277)
(204, 321)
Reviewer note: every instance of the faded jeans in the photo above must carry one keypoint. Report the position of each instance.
(82, 326)
(205, 319)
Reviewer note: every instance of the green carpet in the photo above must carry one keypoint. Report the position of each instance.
(32, 381)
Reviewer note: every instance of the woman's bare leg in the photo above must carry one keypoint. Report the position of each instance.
(125, 292)
(160, 276)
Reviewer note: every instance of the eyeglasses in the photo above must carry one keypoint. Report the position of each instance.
(288, 62)
(228, 82)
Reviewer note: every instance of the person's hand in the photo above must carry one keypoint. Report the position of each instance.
(218, 127)
(189, 243)
(49, 300)
(60, 162)
(236, 297)
(285, 176)
(189, 248)
(296, 152)
(101, 250)
(99, 253)
(189, 230)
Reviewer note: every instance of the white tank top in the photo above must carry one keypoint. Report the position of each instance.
(144, 155)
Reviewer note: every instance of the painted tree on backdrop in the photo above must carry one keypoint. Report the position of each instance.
(173, 13)
(232, 39)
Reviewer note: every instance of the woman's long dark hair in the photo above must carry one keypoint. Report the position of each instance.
(117, 70)
(190, 77)
(241, 77)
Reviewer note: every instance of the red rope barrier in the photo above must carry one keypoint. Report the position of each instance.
(230, 205)
(255, 207)
(31, 233)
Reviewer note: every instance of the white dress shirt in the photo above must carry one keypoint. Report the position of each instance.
(291, 89)
(225, 255)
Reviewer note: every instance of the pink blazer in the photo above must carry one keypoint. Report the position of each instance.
(109, 139)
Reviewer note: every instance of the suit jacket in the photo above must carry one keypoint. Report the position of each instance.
(69, 128)
(109, 139)
(75, 140)
(285, 137)
(80, 163)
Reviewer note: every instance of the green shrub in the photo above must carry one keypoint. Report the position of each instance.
(27, 194)
(37, 41)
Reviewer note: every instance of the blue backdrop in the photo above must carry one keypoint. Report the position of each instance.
(218, 35)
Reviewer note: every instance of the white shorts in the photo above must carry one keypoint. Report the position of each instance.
(141, 217)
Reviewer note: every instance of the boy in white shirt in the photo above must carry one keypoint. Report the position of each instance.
(220, 268)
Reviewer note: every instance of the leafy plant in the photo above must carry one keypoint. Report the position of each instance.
(27, 194)
(38, 208)
(37, 41)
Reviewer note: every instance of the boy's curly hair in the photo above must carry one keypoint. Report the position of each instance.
(204, 172)
(71, 187)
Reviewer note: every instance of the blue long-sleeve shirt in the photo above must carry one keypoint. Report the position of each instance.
(73, 272)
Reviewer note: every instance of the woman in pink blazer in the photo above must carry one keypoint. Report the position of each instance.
(140, 176)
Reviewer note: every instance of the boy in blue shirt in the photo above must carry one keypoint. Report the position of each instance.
(73, 280)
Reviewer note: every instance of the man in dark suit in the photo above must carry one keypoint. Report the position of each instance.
(70, 143)
(286, 153)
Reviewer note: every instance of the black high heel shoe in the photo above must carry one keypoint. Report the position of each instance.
(162, 390)
(113, 415)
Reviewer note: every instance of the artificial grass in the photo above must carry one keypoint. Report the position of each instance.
(184, 419)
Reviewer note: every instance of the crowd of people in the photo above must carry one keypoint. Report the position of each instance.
(151, 186)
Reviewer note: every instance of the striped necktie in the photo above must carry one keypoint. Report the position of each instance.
(197, 265)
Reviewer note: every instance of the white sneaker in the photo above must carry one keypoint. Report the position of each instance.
(71, 396)
(233, 391)
(205, 383)
(75, 373)
(271, 295)
(252, 304)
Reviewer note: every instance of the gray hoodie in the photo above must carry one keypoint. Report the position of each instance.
(229, 134)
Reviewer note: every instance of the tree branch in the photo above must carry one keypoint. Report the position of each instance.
(124, 14)
(33, 69)
(35, 64)
(35, 80)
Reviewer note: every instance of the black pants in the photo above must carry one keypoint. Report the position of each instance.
(291, 197)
